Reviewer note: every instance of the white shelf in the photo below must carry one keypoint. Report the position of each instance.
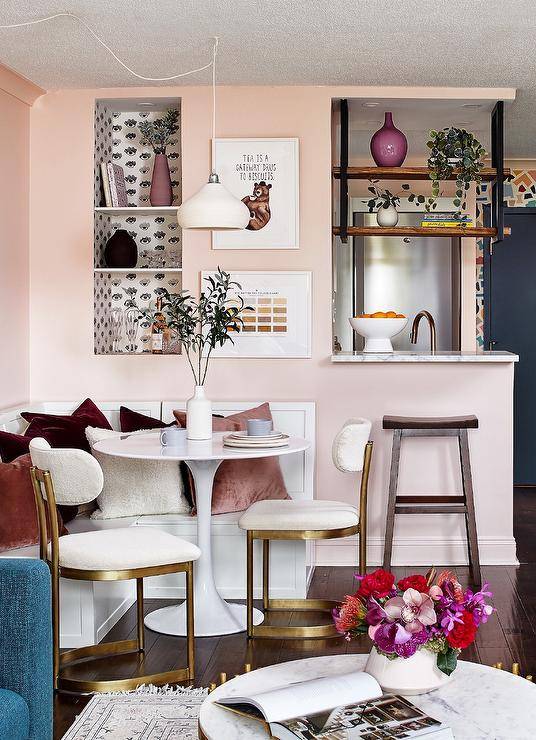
(151, 210)
(137, 269)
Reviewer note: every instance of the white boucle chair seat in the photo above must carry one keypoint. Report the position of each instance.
(122, 549)
(300, 515)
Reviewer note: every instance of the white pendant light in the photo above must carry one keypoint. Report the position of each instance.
(213, 208)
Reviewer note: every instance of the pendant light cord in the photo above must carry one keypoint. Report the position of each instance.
(214, 54)
(121, 62)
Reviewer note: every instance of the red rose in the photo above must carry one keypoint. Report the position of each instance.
(463, 633)
(417, 582)
(378, 584)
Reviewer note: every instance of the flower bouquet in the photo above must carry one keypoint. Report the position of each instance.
(424, 620)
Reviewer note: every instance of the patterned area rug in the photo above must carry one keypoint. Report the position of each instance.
(149, 713)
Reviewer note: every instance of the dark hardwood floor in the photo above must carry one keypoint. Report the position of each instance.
(509, 636)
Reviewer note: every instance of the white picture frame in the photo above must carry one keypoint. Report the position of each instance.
(272, 164)
(280, 324)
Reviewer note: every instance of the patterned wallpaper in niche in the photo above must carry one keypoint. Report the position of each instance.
(123, 290)
(160, 234)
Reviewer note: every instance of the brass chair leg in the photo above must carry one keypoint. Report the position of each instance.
(139, 605)
(265, 574)
(190, 634)
(55, 626)
(249, 585)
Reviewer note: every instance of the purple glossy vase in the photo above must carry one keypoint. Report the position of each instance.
(161, 193)
(389, 146)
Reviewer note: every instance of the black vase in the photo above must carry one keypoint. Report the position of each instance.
(121, 250)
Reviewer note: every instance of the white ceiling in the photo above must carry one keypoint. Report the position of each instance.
(484, 43)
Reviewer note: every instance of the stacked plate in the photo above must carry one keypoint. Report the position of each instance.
(244, 440)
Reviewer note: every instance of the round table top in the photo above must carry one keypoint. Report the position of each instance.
(479, 703)
(147, 447)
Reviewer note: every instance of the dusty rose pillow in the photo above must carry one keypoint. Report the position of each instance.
(239, 483)
(18, 523)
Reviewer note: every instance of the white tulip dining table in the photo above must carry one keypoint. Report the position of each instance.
(213, 615)
(480, 703)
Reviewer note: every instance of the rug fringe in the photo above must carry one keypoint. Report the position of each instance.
(167, 690)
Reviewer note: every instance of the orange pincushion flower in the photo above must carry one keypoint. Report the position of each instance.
(447, 576)
(350, 614)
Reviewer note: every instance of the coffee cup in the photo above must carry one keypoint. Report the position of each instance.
(172, 437)
(259, 427)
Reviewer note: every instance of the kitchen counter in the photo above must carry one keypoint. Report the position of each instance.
(424, 357)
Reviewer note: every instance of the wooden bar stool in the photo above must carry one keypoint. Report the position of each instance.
(450, 426)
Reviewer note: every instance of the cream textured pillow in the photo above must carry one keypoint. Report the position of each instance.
(136, 487)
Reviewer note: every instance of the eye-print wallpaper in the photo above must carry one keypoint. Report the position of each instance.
(158, 236)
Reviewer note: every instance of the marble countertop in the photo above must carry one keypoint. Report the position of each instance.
(480, 703)
(424, 357)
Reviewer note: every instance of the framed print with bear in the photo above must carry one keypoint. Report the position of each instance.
(278, 322)
(264, 174)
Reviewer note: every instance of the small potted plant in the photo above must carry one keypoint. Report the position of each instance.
(200, 326)
(454, 150)
(385, 203)
(159, 135)
(418, 626)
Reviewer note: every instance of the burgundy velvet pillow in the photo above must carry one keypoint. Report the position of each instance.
(239, 483)
(13, 446)
(66, 431)
(18, 523)
(133, 421)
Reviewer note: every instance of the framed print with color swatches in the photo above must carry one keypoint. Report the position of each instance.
(279, 322)
(263, 174)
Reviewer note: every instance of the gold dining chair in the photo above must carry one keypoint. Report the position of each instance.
(72, 477)
(309, 520)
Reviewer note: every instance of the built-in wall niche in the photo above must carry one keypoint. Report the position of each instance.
(155, 229)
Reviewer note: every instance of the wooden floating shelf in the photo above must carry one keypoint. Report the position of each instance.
(469, 231)
(404, 173)
(150, 210)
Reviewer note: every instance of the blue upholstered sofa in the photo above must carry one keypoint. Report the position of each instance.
(25, 650)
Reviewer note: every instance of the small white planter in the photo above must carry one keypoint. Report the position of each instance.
(407, 676)
(199, 415)
(387, 216)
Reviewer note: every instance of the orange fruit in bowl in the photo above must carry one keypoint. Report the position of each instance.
(378, 315)
(390, 315)
(400, 316)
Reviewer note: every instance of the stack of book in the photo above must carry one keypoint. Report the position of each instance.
(446, 220)
(113, 185)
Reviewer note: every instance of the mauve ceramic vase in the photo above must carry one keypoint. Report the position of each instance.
(121, 250)
(389, 146)
(161, 193)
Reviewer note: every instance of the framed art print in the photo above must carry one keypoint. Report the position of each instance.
(263, 174)
(279, 323)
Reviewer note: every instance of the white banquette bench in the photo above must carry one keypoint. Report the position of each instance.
(90, 610)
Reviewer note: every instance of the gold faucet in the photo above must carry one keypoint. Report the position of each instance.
(415, 329)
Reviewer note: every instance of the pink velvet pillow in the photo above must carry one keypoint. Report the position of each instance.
(239, 483)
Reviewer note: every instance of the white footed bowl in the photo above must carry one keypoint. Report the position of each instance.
(378, 332)
(407, 676)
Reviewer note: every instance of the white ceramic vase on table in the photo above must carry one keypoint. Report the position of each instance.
(199, 415)
(417, 674)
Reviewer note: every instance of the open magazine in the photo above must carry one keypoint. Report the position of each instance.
(344, 707)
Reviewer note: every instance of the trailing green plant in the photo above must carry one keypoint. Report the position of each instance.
(384, 198)
(454, 151)
(204, 324)
(159, 133)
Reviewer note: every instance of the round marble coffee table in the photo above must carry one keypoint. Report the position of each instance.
(213, 615)
(480, 703)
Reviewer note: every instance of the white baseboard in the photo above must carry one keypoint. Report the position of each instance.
(115, 616)
(418, 551)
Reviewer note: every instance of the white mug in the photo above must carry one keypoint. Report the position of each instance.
(172, 436)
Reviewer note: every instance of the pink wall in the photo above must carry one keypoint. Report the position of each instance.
(64, 366)
(14, 249)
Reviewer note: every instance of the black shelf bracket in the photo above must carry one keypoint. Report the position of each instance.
(497, 161)
(343, 182)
